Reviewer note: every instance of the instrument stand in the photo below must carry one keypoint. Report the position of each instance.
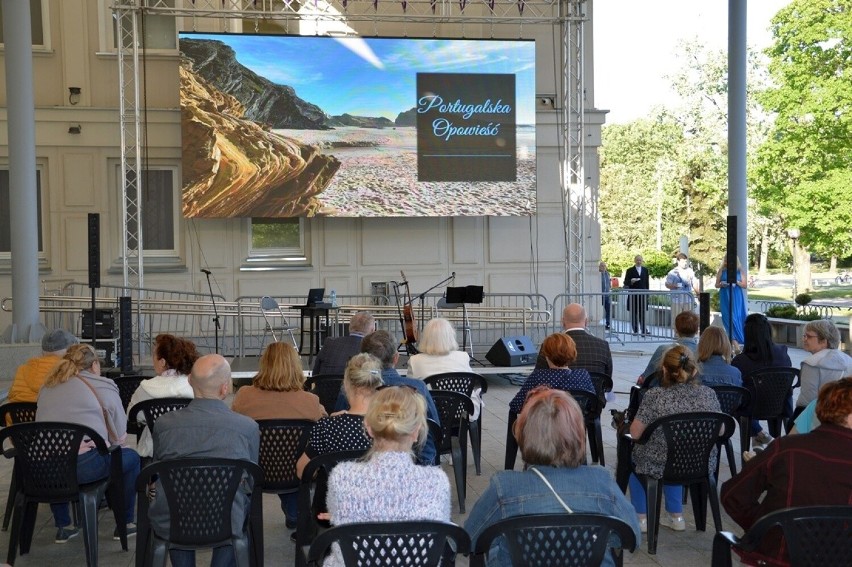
(464, 295)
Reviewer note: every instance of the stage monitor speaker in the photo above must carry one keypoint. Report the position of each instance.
(125, 325)
(94, 233)
(512, 351)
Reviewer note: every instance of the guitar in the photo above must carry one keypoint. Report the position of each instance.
(408, 314)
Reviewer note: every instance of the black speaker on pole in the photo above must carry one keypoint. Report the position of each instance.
(125, 324)
(512, 351)
(703, 310)
(94, 250)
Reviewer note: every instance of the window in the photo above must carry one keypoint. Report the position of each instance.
(36, 24)
(6, 214)
(156, 31)
(277, 243)
(159, 202)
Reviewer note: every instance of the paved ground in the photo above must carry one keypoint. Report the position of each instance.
(689, 548)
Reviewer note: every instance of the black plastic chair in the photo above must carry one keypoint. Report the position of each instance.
(769, 389)
(12, 413)
(814, 535)
(464, 383)
(127, 386)
(327, 387)
(624, 445)
(590, 407)
(46, 455)
(392, 543)
(567, 540)
(313, 487)
(690, 440)
(282, 442)
(200, 493)
(454, 410)
(732, 399)
(151, 410)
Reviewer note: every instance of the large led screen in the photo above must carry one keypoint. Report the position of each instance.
(286, 126)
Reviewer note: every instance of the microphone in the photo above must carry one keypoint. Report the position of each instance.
(208, 272)
(454, 276)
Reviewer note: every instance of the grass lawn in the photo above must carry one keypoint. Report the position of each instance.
(820, 295)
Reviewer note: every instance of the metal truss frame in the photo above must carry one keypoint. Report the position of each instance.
(568, 15)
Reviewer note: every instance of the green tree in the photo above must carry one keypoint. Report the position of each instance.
(803, 170)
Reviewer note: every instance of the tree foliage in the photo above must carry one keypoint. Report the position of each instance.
(803, 170)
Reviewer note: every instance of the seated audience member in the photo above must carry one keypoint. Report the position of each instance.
(552, 437)
(276, 393)
(336, 351)
(173, 360)
(75, 392)
(714, 359)
(30, 376)
(205, 428)
(593, 353)
(387, 485)
(559, 351)
(384, 347)
(439, 353)
(825, 364)
(796, 470)
(759, 352)
(680, 391)
(686, 328)
(344, 430)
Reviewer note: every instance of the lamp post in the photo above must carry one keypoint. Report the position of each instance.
(793, 233)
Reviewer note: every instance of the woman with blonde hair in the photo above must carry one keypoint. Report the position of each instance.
(276, 392)
(387, 485)
(552, 437)
(439, 351)
(75, 392)
(344, 430)
(714, 359)
(680, 391)
(173, 358)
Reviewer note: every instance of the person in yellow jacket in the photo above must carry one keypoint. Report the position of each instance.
(31, 374)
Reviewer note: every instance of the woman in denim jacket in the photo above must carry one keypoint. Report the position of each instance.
(552, 439)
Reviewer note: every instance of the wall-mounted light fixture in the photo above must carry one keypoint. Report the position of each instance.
(545, 101)
(75, 129)
(74, 95)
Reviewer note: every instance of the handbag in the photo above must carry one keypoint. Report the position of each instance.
(550, 486)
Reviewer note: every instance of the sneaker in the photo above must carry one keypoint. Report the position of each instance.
(643, 525)
(66, 533)
(676, 523)
(290, 523)
(761, 438)
(131, 531)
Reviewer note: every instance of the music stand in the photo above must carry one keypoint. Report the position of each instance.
(462, 296)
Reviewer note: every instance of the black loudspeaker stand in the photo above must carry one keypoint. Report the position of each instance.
(94, 248)
(512, 351)
(125, 324)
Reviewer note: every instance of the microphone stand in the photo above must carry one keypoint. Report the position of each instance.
(215, 312)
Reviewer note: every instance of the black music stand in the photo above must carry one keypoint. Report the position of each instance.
(462, 296)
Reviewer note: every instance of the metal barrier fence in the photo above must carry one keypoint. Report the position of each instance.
(824, 310)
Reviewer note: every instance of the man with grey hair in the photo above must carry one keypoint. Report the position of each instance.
(30, 376)
(205, 428)
(825, 364)
(336, 351)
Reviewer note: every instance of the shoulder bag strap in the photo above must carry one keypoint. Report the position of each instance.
(113, 438)
(550, 486)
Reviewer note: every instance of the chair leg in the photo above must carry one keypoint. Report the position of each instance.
(10, 501)
(721, 551)
(745, 433)
(599, 442)
(25, 537)
(458, 470)
(713, 496)
(699, 505)
(89, 510)
(653, 497)
(474, 432)
(622, 463)
(729, 451)
(511, 443)
(593, 442)
(15, 534)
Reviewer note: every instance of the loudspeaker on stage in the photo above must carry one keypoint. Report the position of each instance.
(512, 351)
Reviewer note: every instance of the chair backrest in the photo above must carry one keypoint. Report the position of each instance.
(391, 543)
(46, 457)
(327, 387)
(731, 398)
(769, 388)
(282, 442)
(151, 410)
(461, 382)
(815, 535)
(17, 412)
(603, 384)
(127, 386)
(200, 493)
(588, 402)
(454, 409)
(435, 431)
(690, 438)
(543, 540)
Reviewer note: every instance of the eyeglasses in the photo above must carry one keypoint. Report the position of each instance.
(810, 336)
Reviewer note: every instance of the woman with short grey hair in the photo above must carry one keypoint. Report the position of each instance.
(825, 364)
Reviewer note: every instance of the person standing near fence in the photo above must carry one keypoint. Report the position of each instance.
(606, 288)
(681, 280)
(636, 277)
